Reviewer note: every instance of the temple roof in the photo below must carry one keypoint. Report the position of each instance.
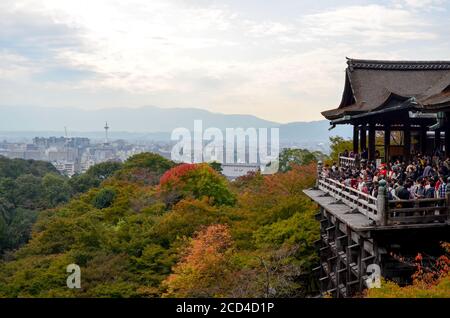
(372, 85)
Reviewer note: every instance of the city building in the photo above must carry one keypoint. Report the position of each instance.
(235, 170)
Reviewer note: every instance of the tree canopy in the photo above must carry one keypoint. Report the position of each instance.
(134, 236)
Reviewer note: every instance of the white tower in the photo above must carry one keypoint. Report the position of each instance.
(106, 132)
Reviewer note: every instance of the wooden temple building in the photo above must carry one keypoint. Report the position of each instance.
(382, 99)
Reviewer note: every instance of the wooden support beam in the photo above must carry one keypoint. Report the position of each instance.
(360, 263)
(372, 142)
(349, 258)
(355, 139)
(387, 142)
(338, 262)
(362, 139)
(407, 141)
(423, 139)
(437, 140)
(365, 259)
(447, 138)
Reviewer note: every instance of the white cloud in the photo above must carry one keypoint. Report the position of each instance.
(194, 53)
(142, 45)
(420, 4)
(15, 67)
(268, 28)
(369, 25)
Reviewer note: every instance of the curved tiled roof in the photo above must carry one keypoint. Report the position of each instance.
(369, 83)
(398, 65)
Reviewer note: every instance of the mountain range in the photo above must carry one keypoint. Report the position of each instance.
(148, 122)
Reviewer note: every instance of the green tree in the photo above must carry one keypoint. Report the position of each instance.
(289, 156)
(151, 161)
(56, 189)
(129, 241)
(338, 146)
(104, 170)
(28, 191)
(104, 198)
(217, 166)
(94, 176)
(145, 168)
(197, 181)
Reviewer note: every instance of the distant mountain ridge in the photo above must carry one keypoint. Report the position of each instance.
(148, 122)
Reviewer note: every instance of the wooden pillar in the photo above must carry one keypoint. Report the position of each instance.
(362, 140)
(348, 253)
(423, 140)
(437, 139)
(407, 141)
(338, 261)
(360, 263)
(372, 142)
(387, 142)
(355, 139)
(447, 140)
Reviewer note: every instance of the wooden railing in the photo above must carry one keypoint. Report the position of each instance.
(348, 162)
(418, 211)
(382, 210)
(362, 202)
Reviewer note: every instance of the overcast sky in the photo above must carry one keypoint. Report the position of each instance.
(281, 60)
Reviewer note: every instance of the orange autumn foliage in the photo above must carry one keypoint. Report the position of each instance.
(433, 273)
(175, 175)
(429, 280)
(204, 265)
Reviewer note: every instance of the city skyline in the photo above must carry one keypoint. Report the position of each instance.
(278, 61)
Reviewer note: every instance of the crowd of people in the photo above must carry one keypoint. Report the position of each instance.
(421, 177)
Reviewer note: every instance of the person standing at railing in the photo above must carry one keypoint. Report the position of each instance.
(383, 171)
(442, 187)
(447, 187)
(446, 163)
(354, 182)
(334, 168)
(429, 189)
(391, 191)
(419, 190)
(374, 191)
(428, 171)
(443, 170)
(392, 173)
(401, 191)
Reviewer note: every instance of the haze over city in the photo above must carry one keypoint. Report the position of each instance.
(281, 63)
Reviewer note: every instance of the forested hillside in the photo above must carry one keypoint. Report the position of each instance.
(150, 228)
(28, 187)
